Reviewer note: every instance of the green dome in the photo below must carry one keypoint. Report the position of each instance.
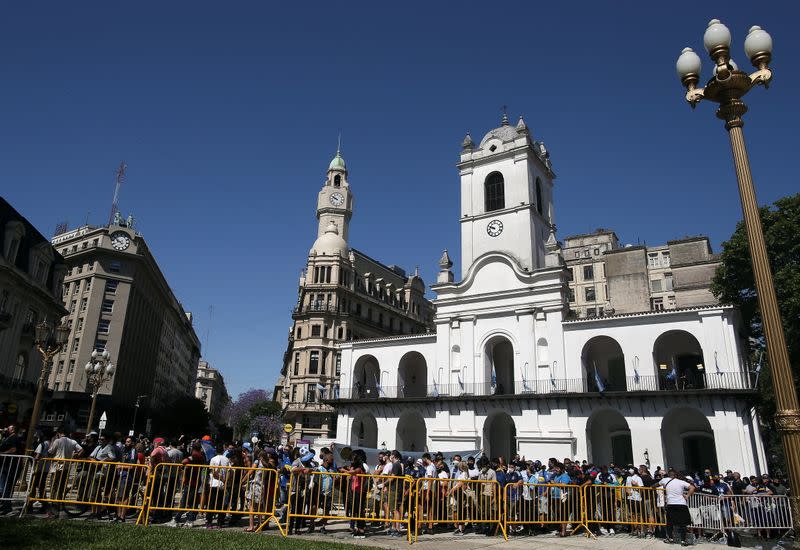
(337, 163)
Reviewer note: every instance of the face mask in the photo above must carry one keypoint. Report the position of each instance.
(456, 462)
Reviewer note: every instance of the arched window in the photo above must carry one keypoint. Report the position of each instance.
(337, 180)
(539, 196)
(493, 190)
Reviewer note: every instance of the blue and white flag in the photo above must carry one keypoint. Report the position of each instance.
(672, 374)
(460, 382)
(494, 378)
(320, 388)
(636, 369)
(378, 386)
(435, 392)
(716, 363)
(599, 381)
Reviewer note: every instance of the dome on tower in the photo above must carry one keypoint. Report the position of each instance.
(330, 243)
(337, 163)
(504, 133)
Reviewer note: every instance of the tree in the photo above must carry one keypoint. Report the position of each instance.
(734, 284)
(254, 411)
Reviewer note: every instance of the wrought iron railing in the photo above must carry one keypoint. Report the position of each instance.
(649, 383)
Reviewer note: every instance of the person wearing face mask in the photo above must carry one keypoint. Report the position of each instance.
(454, 468)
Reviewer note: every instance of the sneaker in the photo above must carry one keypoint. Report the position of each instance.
(171, 523)
(611, 532)
(359, 536)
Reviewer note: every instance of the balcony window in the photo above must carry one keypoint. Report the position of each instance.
(656, 285)
(103, 326)
(313, 363)
(76, 344)
(107, 307)
(588, 273)
(315, 330)
(657, 304)
(296, 363)
(668, 284)
(589, 292)
(111, 286)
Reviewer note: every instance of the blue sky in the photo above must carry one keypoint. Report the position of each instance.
(227, 116)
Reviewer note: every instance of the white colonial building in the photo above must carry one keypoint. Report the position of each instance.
(507, 370)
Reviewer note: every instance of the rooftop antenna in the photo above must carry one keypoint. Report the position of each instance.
(120, 179)
(339, 144)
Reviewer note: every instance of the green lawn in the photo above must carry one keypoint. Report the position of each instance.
(83, 535)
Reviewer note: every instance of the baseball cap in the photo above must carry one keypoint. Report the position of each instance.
(206, 438)
(158, 441)
(306, 457)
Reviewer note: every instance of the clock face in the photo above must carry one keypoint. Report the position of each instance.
(120, 240)
(337, 199)
(494, 228)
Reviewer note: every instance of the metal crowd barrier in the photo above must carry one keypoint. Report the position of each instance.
(323, 496)
(180, 490)
(459, 502)
(543, 504)
(756, 512)
(705, 512)
(16, 473)
(76, 485)
(640, 507)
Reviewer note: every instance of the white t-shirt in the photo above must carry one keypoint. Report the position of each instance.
(634, 481)
(219, 460)
(430, 471)
(674, 489)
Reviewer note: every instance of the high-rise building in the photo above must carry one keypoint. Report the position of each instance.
(343, 295)
(211, 390)
(118, 300)
(606, 278)
(31, 272)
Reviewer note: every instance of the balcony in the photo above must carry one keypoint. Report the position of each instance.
(706, 381)
(318, 307)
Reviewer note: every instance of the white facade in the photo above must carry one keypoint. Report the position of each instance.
(506, 372)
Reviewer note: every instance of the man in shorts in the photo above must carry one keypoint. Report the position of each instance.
(677, 493)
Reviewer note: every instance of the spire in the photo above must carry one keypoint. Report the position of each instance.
(522, 128)
(445, 263)
(504, 120)
(467, 143)
(338, 161)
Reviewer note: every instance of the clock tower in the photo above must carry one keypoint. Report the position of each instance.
(506, 196)
(335, 201)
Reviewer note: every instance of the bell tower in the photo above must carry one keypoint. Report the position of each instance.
(506, 196)
(335, 201)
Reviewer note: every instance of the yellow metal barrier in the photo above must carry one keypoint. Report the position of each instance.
(640, 507)
(544, 504)
(459, 502)
(75, 485)
(317, 495)
(216, 491)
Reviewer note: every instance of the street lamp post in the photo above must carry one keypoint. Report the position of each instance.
(727, 87)
(49, 341)
(135, 414)
(99, 370)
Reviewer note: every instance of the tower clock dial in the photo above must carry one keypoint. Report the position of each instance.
(337, 199)
(120, 240)
(494, 228)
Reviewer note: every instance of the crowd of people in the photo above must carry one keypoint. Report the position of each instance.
(227, 483)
